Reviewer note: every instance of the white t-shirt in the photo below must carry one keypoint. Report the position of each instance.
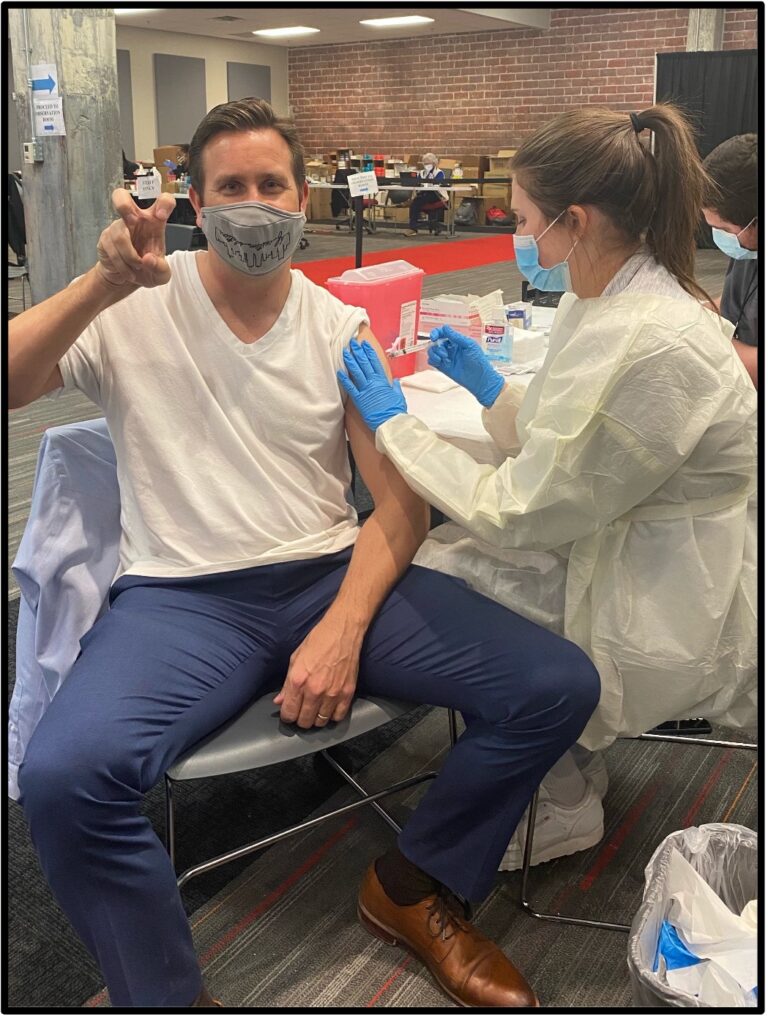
(229, 455)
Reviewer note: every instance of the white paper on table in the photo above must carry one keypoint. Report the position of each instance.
(489, 304)
(429, 381)
(706, 925)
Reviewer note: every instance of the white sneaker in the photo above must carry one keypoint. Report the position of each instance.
(559, 831)
(593, 768)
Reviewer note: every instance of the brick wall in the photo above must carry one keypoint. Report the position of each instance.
(740, 30)
(483, 91)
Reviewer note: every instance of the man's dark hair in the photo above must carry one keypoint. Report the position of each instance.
(732, 167)
(243, 115)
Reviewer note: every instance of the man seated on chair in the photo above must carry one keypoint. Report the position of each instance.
(432, 174)
(243, 572)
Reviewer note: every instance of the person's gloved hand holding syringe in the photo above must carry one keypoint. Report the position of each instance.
(378, 399)
(461, 359)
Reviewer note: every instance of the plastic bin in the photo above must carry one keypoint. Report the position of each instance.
(390, 293)
(726, 858)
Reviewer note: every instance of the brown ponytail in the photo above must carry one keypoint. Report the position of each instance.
(681, 185)
(599, 157)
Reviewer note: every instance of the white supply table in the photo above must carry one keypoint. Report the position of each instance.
(456, 414)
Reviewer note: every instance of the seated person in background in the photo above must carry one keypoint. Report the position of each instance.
(129, 168)
(730, 208)
(430, 173)
(243, 571)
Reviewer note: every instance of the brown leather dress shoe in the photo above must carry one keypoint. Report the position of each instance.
(206, 1001)
(466, 964)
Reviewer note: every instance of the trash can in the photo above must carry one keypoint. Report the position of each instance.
(726, 858)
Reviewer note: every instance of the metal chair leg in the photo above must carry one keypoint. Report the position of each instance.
(268, 841)
(170, 828)
(531, 827)
(524, 901)
(453, 731)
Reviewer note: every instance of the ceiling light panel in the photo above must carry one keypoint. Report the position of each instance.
(283, 33)
(406, 20)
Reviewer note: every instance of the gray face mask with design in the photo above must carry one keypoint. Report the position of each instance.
(252, 237)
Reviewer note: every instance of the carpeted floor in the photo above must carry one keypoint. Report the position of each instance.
(280, 931)
(453, 255)
(284, 933)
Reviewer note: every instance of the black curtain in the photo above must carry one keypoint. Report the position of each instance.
(720, 92)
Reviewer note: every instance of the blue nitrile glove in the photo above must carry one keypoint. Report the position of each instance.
(462, 360)
(377, 398)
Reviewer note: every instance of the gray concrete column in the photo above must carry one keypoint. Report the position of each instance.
(67, 196)
(705, 29)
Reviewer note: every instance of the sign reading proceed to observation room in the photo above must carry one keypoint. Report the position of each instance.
(49, 117)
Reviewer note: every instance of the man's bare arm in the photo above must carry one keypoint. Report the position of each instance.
(131, 253)
(322, 676)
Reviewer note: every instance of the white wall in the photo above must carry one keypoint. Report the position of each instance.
(142, 43)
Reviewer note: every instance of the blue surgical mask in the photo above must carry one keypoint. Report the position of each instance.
(729, 244)
(549, 280)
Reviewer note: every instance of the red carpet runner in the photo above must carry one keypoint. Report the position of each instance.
(433, 258)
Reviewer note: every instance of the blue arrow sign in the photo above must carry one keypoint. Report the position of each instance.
(41, 84)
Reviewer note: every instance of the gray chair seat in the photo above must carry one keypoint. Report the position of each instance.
(258, 738)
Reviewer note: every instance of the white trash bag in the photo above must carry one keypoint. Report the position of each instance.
(693, 942)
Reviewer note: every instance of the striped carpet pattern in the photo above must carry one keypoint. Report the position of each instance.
(284, 933)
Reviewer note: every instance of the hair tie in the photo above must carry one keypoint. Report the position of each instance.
(637, 123)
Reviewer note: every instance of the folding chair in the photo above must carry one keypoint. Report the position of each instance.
(526, 904)
(435, 215)
(256, 739)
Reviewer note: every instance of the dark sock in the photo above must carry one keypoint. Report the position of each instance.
(402, 881)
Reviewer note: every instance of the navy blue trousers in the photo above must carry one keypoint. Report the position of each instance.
(420, 199)
(173, 659)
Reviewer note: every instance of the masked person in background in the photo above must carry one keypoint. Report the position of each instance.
(429, 173)
(625, 513)
(243, 570)
(730, 208)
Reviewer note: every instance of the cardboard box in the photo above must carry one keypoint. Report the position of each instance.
(499, 192)
(171, 152)
(397, 213)
(519, 314)
(319, 206)
(498, 165)
(319, 170)
(437, 311)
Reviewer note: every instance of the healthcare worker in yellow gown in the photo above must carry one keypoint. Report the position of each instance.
(624, 515)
